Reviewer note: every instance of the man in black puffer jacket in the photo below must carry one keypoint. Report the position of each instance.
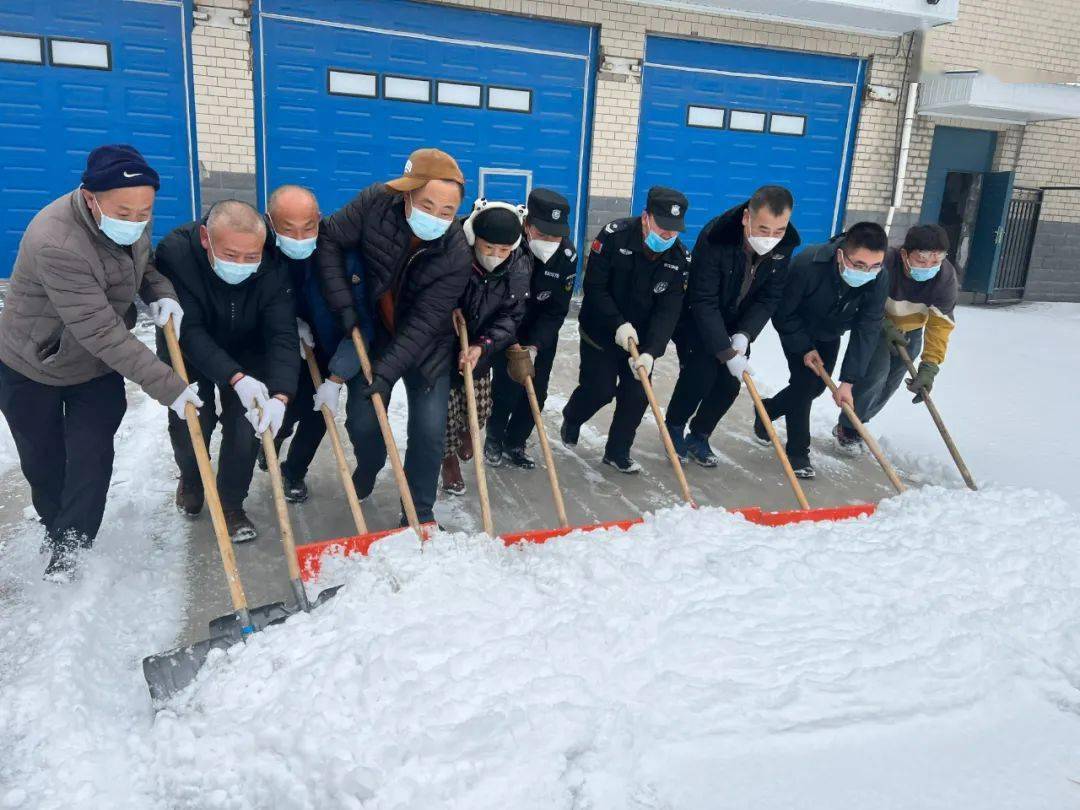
(831, 288)
(493, 306)
(736, 281)
(416, 263)
(239, 335)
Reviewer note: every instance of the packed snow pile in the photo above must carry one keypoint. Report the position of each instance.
(694, 661)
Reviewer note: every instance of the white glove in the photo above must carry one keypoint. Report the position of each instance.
(252, 393)
(186, 396)
(328, 394)
(624, 334)
(644, 361)
(306, 338)
(271, 417)
(740, 342)
(737, 365)
(165, 308)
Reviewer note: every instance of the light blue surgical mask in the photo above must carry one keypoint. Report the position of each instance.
(121, 231)
(856, 278)
(297, 249)
(231, 272)
(656, 243)
(427, 227)
(924, 273)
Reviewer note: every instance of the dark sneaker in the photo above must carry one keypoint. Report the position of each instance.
(697, 448)
(296, 490)
(569, 433)
(452, 480)
(260, 459)
(847, 441)
(623, 464)
(189, 498)
(678, 439)
(760, 434)
(65, 557)
(239, 526)
(493, 452)
(517, 457)
(802, 467)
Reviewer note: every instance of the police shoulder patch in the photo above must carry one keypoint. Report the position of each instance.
(543, 296)
(597, 246)
(660, 287)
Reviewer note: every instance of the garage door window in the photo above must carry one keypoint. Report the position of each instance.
(349, 83)
(459, 95)
(710, 117)
(80, 53)
(787, 124)
(16, 48)
(403, 88)
(509, 98)
(747, 121)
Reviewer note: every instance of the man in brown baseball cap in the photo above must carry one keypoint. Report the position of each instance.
(414, 263)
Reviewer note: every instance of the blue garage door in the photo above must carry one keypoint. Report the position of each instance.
(717, 121)
(348, 88)
(75, 74)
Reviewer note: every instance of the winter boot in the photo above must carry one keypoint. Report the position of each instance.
(464, 451)
(452, 480)
(189, 498)
(697, 448)
(65, 556)
(296, 490)
(239, 526)
(760, 434)
(848, 441)
(623, 464)
(517, 457)
(678, 439)
(802, 467)
(493, 452)
(569, 433)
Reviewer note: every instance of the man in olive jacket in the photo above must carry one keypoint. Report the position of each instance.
(66, 344)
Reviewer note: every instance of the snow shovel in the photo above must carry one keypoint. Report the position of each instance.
(936, 416)
(777, 446)
(474, 428)
(388, 439)
(168, 672)
(665, 437)
(545, 448)
(871, 442)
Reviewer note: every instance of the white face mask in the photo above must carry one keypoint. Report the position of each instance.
(762, 244)
(489, 263)
(542, 249)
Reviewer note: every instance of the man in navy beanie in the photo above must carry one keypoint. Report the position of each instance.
(66, 345)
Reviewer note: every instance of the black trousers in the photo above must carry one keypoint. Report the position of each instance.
(793, 403)
(64, 437)
(239, 446)
(511, 420)
(705, 391)
(605, 374)
(309, 425)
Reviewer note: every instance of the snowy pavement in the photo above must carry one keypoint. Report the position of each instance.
(926, 657)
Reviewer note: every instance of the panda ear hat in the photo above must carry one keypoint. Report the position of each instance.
(481, 204)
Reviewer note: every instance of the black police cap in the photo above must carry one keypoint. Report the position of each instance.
(549, 212)
(668, 207)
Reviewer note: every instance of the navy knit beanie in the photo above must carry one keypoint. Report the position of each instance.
(117, 165)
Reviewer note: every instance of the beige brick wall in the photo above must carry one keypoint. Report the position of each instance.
(224, 108)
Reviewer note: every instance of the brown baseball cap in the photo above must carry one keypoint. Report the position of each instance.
(424, 165)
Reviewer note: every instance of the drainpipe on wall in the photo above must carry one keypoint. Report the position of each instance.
(905, 146)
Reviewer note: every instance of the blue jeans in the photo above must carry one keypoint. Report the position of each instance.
(882, 378)
(426, 435)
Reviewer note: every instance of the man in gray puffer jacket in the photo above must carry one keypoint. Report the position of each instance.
(66, 343)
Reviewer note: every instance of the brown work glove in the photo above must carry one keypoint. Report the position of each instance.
(519, 364)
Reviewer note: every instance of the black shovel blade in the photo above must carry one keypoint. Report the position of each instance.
(261, 617)
(326, 596)
(169, 672)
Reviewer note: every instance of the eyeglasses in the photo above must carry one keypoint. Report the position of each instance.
(927, 256)
(860, 266)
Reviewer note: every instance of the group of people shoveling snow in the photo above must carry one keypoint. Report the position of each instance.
(273, 313)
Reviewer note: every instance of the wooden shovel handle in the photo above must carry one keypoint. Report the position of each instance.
(781, 454)
(288, 539)
(474, 427)
(545, 447)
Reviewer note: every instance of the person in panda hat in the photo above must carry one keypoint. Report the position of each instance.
(493, 306)
(554, 263)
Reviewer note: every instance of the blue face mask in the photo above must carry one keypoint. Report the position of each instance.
(924, 273)
(426, 226)
(121, 231)
(298, 249)
(231, 272)
(856, 278)
(657, 244)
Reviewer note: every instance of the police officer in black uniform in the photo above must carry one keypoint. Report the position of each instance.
(554, 265)
(634, 286)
